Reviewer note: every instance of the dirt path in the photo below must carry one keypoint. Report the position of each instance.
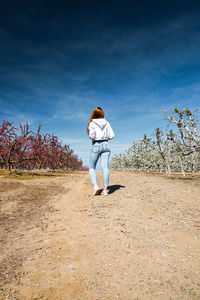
(140, 242)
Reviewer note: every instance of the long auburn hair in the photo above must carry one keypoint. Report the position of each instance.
(96, 114)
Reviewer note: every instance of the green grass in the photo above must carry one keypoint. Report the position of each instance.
(34, 174)
(173, 175)
(186, 178)
(4, 172)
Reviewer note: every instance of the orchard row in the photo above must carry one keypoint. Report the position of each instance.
(176, 149)
(20, 148)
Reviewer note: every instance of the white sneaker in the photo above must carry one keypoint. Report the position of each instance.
(97, 191)
(105, 192)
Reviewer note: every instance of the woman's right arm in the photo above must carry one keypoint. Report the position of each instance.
(92, 132)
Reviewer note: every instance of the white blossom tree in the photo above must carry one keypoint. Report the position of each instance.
(177, 150)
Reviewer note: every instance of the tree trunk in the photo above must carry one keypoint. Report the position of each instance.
(193, 170)
(39, 166)
(182, 169)
(167, 168)
(9, 166)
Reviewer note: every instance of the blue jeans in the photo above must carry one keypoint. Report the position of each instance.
(102, 150)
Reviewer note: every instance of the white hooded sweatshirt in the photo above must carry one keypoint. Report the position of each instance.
(100, 129)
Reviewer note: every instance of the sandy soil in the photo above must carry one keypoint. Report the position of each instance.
(59, 242)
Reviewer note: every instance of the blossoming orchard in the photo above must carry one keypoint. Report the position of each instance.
(176, 149)
(20, 148)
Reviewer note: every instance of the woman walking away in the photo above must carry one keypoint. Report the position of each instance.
(100, 132)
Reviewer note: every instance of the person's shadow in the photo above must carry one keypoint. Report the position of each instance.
(115, 187)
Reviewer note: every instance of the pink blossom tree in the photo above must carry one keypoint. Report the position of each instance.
(29, 150)
(14, 149)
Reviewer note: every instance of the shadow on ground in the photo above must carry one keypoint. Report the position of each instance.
(115, 187)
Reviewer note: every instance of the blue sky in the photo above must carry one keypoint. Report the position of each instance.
(61, 59)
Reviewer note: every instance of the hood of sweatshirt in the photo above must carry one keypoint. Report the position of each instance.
(100, 122)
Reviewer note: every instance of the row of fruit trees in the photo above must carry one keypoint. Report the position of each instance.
(175, 149)
(20, 148)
